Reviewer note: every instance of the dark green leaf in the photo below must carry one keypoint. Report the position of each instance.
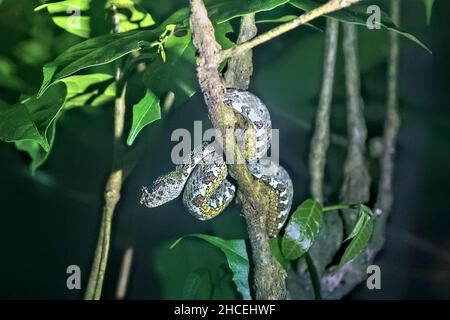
(357, 14)
(276, 252)
(360, 235)
(173, 276)
(177, 73)
(223, 10)
(221, 31)
(146, 111)
(102, 50)
(31, 118)
(37, 154)
(94, 52)
(197, 281)
(302, 229)
(237, 257)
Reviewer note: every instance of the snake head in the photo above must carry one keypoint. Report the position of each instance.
(164, 189)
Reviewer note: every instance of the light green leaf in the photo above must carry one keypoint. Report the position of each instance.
(360, 235)
(429, 9)
(31, 118)
(357, 14)
(73, 16)
(236, 253)
(146, 111)
(302, 229)
(89, 90)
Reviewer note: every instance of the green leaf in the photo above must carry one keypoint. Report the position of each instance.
(173, 276)
(146, 111)
(94, 52)
(276, 252)
(236, 253)
(31, 118)
(89, 90)
(177, 73)
(63, 15)
(221, 30)
(302, 229)
(37, 154)
(224, 10)
(429, 9)
(357, 14)
(360, 235)
(104, 49)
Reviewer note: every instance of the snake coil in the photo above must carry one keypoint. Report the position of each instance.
(203, 173)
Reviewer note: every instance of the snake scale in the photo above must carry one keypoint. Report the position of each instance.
(203, 172)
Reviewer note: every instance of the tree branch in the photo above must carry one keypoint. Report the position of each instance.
(329, 7)
(269, 276)
(392, 122)
(321, 138)
(356, 185)
(240, 68)
(337, 284)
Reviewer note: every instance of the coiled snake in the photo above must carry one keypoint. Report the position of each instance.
(203, 173)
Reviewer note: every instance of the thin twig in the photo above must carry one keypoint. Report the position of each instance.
(321, 138)
(330, 6)
(112, 190)
(124, 274)
(315, 280)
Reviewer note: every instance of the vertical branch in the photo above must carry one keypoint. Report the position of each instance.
(336, 285)
(240, 68)
(112, 188)
(321, 138)
(269, 275)
(392, 121)
(356, 185)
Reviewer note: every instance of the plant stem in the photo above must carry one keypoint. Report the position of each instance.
(337, 207)
(315, 280)
(321, 138)
(112, 190)
(329, 7)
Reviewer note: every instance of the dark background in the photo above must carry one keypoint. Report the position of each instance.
(50, 220)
